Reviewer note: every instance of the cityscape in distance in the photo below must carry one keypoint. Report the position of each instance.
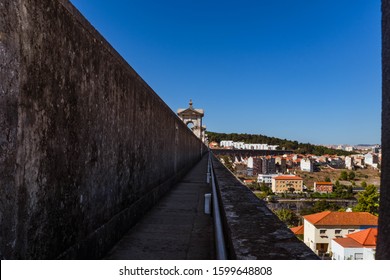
(328, 195)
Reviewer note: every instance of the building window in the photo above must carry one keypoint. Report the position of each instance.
(358, 256)
(351, 230)
(337, 231)
(322, 231)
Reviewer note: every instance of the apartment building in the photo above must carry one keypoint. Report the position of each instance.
(285, 183)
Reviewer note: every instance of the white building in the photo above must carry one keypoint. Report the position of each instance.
(307, 165)
(266, 178)
(321, 228)
(371, 159)
(250, 162)
(358, 160)
(349, 162)
(226, 143)
(360, 245)
(340, 147)
(256, 164)
(349, 148)
(243, 146)
(238, 145)
(253, 146)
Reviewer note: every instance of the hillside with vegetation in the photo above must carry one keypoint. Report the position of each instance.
(295, 146)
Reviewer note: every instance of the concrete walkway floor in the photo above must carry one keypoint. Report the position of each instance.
(174, 229)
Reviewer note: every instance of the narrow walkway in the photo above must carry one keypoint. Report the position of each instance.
(176, 228)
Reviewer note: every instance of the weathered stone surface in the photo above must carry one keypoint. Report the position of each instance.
(9, 88)
(86, 146)
(252, 230)
(383, 244)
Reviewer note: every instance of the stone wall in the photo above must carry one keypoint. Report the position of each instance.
(383, 244)
(252, 231)
(86, 146)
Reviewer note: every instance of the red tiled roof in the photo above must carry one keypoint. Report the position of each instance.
(342, 218)
(314, 218)
(288, 178)
(348, 242)
(365, 237)
(297, 230)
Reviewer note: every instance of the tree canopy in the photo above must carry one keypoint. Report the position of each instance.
(343, 175)
(287, 216)
(320, 206)
(368, 201)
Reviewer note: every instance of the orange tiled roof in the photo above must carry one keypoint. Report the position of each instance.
(348, 242)
(342, 218)
(287, 177)
(324, 183)
(297, 230)
(365, 237)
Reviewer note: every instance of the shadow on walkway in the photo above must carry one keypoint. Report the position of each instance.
(174, 229)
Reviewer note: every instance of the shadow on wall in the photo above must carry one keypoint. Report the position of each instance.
(87, 145)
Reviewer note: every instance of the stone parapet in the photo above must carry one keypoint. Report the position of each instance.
(252, 231)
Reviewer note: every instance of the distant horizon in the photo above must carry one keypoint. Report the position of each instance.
(305, 70)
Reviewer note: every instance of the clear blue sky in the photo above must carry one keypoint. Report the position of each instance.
(304, 70)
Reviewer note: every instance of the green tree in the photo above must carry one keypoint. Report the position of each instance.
(291, 189)
(287, 216)
(351, 175)
(261, 195)
(349, 191)
(306, 211)
(323, 205)
(265, 189)
(338, 188)
(327, 179)
(343, 175)
(342, 191)
(368, 200)
(254, 186)
(364, 184)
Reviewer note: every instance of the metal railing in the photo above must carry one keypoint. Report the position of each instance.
(220, 247)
